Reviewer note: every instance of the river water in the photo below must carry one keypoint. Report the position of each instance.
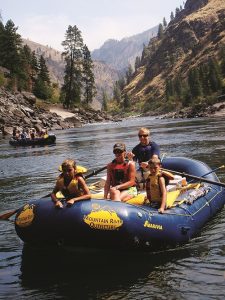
(193, 271)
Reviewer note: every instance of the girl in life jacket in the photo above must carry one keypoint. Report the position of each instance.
(120, 181)
(156, 186)
(71, 185)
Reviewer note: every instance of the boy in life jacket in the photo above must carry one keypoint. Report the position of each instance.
(71, 184)
(120, 180)
(156, 186)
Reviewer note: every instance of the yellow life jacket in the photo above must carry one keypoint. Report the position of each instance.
(71, 190)
(153, 188)
(152, 185)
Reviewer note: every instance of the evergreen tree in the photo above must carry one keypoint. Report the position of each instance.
(215, 76)
(222, 57)
(126, 102)
(34, 66)
(42, 88)
(88, 76)
(43, 70)
(129, 73)
(137, 63)
(194, 83)
(169, 88)
(164, 22)
(11, 46)
(171, 16)
(73, 44)
(160, 31)
(117, 92)
(121, 83)
(177, 11)
(104, 100)
(204, 79)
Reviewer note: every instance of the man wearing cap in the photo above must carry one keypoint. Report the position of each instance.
(120, 182)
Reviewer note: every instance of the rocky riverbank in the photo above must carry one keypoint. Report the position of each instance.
(216, 110)
(22, 111)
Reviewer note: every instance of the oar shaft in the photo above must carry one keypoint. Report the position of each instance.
(95, 172)
(196, 177)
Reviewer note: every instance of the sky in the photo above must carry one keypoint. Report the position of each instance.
(46, 21)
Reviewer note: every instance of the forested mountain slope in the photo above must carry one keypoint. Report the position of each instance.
(177, 67)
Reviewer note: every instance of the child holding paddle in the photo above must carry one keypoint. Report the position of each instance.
(71, 184)
(156, 186)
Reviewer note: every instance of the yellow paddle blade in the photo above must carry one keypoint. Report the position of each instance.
(97, 196)
(138, 200)
(80, 169)
(59, 195)
(171, 197)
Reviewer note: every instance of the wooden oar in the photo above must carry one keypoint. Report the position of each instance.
(8, 214)
(196, 177)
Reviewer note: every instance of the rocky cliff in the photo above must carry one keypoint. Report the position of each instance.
(21, 110)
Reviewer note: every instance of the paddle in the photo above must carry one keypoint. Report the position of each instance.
(214, 170)
(7, 215)
(196, 177)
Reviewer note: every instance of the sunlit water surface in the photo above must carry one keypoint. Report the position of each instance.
(193, 271)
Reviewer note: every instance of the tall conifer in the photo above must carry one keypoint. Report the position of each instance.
(71, 89)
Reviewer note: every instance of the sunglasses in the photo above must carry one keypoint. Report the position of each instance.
(142, 135)
(117, 151)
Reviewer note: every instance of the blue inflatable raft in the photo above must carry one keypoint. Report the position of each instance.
(108, 224)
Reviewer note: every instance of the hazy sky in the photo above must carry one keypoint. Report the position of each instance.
(46, 21)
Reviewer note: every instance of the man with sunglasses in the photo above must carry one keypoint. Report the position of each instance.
(120, 181)
(142, 152)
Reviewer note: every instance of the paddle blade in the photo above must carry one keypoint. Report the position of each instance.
(7, 215)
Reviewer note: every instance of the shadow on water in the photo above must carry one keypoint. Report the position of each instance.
(89, 274)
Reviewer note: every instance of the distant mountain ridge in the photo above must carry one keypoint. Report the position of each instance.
(119, 54)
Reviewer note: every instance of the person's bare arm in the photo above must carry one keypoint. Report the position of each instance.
(107, 183)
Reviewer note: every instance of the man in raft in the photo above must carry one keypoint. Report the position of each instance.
(141, 153)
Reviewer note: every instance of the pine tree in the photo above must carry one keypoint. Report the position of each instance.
(117, 92)
(71, 89)
(42, 88)
(129, 73)
(11, 45)
(88, 76)
(194, 83)
(171, 16)
(137, 63)
(160, 31)
(177, 11)
(222, 57)
(126, 102)
(104, 100)
(43, 70)
(164, 22)
(215, 76)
